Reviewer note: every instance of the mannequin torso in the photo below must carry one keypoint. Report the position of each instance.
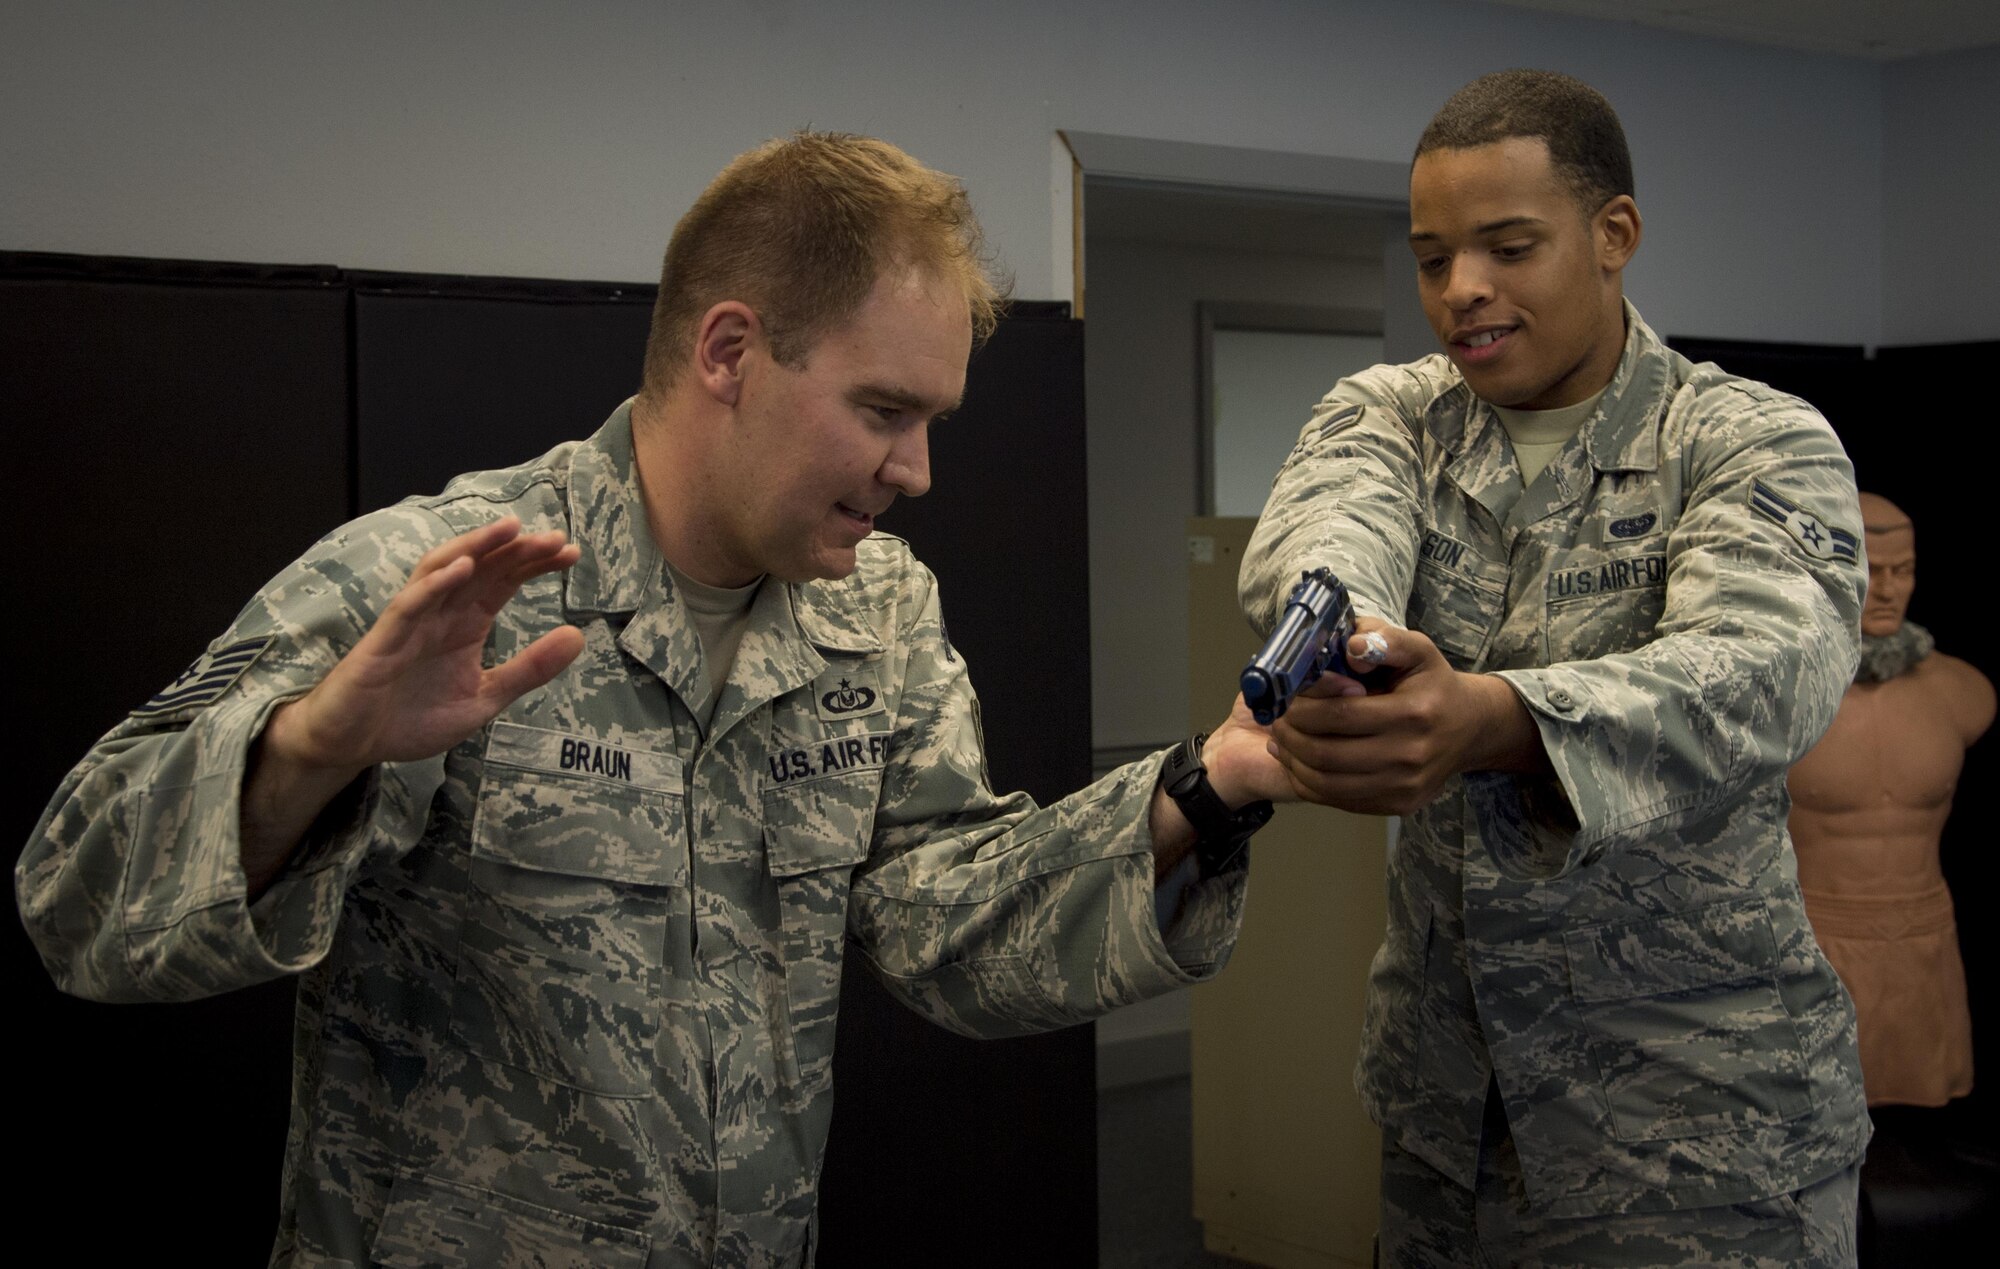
(1869, 805)
(1870, 801)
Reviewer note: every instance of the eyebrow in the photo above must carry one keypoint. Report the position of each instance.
(904, 399)
(1490, 227)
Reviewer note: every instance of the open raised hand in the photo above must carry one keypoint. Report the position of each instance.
(413, 687)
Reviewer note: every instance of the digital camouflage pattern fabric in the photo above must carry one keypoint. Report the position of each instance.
(569, 990)
(1676, 602)
(1437, 1223)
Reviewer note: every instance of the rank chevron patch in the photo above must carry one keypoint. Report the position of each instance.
(1821, 540)
(207, 679)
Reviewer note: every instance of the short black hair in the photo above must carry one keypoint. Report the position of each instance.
(1586, 142)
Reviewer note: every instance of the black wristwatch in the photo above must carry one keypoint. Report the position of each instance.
(1220, 833)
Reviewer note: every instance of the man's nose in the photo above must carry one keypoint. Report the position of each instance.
(1467, 284)
(908, 466)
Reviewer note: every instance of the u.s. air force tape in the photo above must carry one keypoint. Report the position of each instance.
(212, 674)
(836, 755)
(565, 753)
(1821, 540)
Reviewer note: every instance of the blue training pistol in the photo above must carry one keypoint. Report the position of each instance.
(1310, 640)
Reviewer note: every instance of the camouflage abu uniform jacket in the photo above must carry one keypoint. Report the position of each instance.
(1676, 601)
(569, 989)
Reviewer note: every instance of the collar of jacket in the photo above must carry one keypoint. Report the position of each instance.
(620, 569)
(1620, 435)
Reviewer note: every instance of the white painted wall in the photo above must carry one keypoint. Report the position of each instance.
(1941, 202)
(517, 137)
(1262, 387)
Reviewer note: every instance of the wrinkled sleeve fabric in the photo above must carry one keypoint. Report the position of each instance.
(1756, 645)
(1348, 498)
(992, 916)
(132, 886)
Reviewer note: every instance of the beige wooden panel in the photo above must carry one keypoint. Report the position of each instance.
(1285, 1162)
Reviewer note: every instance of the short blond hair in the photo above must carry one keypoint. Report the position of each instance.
(799, 229)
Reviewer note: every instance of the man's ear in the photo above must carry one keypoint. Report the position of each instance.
(724, 339)
(1617, 229)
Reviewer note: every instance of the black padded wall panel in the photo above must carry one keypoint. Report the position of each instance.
(182, 434)
(464, 374)
(178, 433)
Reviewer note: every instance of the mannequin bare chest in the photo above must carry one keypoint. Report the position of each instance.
(1869, 802)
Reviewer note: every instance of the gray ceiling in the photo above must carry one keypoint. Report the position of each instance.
(1879, 29)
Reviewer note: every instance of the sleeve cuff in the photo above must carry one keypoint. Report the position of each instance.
(294, 919)
(1196, 921)
(1531, 824)
(290, 926)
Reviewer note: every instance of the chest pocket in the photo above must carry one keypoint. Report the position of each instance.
(1453, 604)
(1603, 600)
(816, 831)
(565, 923)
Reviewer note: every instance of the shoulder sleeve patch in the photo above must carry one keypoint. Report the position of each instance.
(1338, 419)
(1820, 540)
(212, 674)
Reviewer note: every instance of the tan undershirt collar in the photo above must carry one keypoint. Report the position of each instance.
(721, 615)
(1539, 435)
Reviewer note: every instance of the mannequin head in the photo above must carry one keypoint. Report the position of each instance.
(1892, 565)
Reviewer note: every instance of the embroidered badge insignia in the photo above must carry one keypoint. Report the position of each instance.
(1820, 540)
(204, 682)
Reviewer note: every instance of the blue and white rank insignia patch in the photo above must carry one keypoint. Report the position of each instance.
(212, 674)
(1821, 540)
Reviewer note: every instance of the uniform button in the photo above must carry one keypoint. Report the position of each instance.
(1561, 699)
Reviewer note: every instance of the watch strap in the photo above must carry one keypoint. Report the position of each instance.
(1220, 833)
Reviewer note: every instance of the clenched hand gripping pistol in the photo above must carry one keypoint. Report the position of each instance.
(1310, 640)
